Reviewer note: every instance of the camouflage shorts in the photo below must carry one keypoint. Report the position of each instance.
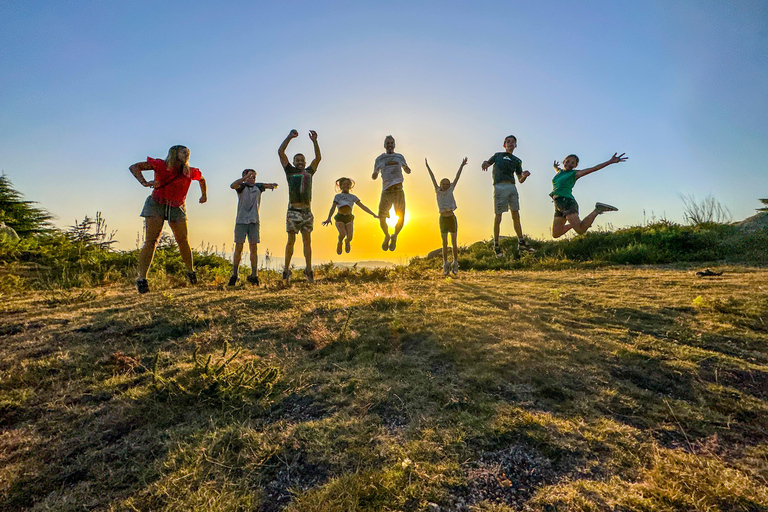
(299, 220)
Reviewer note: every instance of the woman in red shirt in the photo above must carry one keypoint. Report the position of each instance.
(169, 191)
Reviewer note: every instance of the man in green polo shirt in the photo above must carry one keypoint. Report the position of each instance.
(505, 197)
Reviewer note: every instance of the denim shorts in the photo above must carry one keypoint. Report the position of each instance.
(505, 198)
(565, 206)
(170, 213)
(251, 231)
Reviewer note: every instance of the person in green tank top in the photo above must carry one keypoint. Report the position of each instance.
(566, 207)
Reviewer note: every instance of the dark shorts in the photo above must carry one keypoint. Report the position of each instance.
(565, 206)
(346, 218)
(448, 224)
(170, 213)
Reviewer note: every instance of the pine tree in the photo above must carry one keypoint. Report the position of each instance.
(19, 214)
(764, 208)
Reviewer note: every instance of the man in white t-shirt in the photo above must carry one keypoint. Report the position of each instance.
(247, 222)
(391, 166)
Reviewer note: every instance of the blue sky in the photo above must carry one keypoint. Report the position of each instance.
(88, 88)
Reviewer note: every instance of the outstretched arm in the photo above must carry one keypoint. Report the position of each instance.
(434, 181)
(458, 173)
(615, 159)
(330, 214)
(271, 186)
(366, 209)
(281, 150)
(203, 190)
(313, 138)
(137, 168)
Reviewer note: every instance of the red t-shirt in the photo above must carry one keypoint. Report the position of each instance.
(172, 186)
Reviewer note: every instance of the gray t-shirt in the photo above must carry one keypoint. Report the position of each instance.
(391, 168)
(445, 199)
(248, 201)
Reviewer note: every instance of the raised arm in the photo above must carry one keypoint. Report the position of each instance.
(281, 150)
(615, 159)
(313, 138)
(203, 190)
(330, 214)
(431, 175)
(137, 169)
(365, 208)
(458, 173)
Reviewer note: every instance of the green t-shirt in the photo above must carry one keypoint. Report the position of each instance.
(505, 166)
(562, 183)
(299, 184)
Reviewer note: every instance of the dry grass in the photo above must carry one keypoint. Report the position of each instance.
(642, 389)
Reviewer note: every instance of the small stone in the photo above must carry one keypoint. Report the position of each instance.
(433, 507)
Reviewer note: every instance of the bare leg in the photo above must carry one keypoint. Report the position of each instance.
(444, 236)
(306, 238)
(560, 227)
(342, 229)
(455, 247)
(516, 223)
(385, 230)
(179, 229)
(400, 222)
(289, 250)
(254, 248)
(236, 258)
(154, 226)
(496, 225)
(350, 227)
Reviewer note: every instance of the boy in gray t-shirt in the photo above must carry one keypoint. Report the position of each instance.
(448, 224)
(247, 221)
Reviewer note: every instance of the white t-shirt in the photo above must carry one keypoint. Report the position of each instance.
(445, 199)
(248, 201)
(391, 168)
(343, 199)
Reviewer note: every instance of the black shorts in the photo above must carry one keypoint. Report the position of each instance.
(565, 206)
(346, 218)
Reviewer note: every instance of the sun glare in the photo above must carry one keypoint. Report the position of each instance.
(392, 220)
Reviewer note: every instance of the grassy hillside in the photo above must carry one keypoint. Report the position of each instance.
(634, 389)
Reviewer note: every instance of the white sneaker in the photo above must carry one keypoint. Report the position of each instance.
(455, 267)
(446, 268)
(602, 208)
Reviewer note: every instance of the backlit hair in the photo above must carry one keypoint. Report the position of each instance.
(510, 137)
(172, 161)
(573, 156)
(387, 138)
(343, 178)
(246, 171)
